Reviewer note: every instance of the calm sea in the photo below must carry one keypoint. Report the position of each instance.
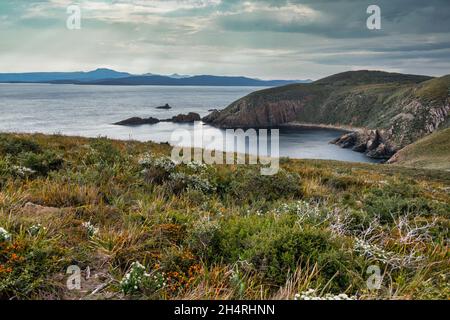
(90, 111)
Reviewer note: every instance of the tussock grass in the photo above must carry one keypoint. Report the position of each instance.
(215, 232)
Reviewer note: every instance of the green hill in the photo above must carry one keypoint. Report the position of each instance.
(431, 152)
(397, 109)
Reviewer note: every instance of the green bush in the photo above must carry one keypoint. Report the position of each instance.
(397, 199)
(14, 145)
(249, 185)
(103, 152)
(28, 265)
(180, 182)
(156, 170)
(41, 163)
(275, 247)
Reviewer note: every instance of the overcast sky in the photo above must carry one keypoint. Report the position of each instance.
(285, 39)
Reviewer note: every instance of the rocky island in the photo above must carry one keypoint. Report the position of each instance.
(164, 107)
(181, 118)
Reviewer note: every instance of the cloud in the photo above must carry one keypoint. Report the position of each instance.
(264, 38)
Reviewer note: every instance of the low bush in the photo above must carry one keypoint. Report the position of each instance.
(248, 185)
(13, 145)
(397, 199)
(275, 247)
(41, 163)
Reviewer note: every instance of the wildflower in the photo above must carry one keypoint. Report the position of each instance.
(146, 160)
(372, 251)
(134, 278)
(390, 258)
(4, 235)
(35, 229)
(23, 171)
(193, 182)
(90, 228)
(197, 166)
(310, 294)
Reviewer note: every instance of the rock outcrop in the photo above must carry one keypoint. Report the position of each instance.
(185, 118)
(373, 143)
(165, 107)
(136, 121)
(181, 118)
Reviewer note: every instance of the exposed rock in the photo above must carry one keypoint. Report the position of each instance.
(136, 121)
(166, 107)
(185, 118)
(212, 117)
(181, 118)
(371, 142)
(348, 140)
(34, 209)
(255, 113)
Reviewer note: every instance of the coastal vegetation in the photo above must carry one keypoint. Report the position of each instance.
(142, 227)
(431, 152)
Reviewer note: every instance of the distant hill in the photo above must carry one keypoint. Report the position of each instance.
(203, 80)
(395, 109)
(62, 76)
(111, 77)
(431, 152)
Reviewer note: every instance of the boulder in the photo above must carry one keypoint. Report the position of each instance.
(373, 143)
(185, 118)
(346, 141)
(136, 121)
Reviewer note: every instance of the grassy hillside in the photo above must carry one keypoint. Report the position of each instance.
(432, 152)
(403, 108)
(148, 228)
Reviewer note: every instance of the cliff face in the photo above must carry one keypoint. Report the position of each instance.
(266, 115)
(394, 109)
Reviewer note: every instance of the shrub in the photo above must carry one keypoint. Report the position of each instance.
(397, 199)
(342, 183)
(41, 163)
(15, 145)
(134, 280)
(103, 152)
(249, 185)
(179, 182)
(275, 247)
(156, 170)
(25, 267)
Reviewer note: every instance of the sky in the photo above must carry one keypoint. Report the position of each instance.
(267, 39)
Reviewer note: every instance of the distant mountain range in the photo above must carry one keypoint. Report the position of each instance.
(112, 77)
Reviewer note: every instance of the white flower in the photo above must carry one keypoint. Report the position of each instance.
(23, 171)
(4, 235)
(197, 166)
(35, 228)
(310, 294)
(90, 228)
